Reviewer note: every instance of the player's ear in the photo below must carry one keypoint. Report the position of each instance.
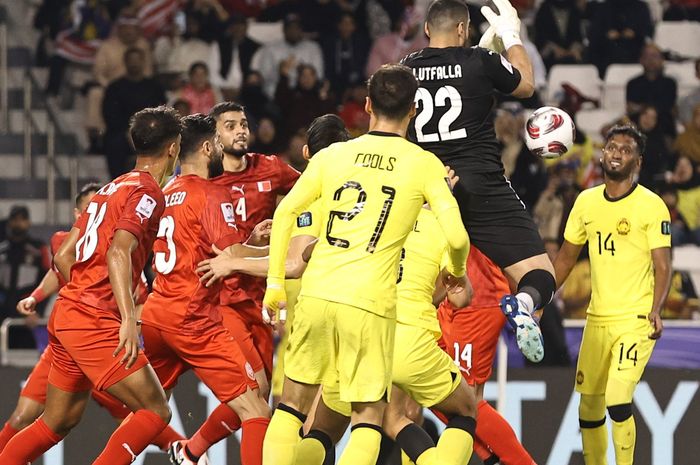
(368, 106)
(305, 152)
(412, 111)
(426, 30)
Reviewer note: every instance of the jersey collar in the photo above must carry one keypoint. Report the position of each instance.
(382, 133)
(616, 199)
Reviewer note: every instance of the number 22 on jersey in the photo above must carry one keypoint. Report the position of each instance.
(428, 104)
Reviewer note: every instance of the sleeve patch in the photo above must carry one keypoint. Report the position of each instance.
(666, 228)
(304, 220)
(227, 210)
(506, 64)
(146, 206)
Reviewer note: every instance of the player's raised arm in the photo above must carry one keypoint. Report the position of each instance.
(65, 256)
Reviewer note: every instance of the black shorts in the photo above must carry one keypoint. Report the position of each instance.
(496, 219)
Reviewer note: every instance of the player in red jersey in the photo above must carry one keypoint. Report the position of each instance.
(256, 182)
(182, 326)
(470, 335)
(94, 334)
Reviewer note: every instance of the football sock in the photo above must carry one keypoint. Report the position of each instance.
(594, 432)
(167, 437)
(252, 440)
(417, 445)
(27, 445)
(131, 437)
(363, 446)
(282, 436)
(495, 432)
(6, 434)
(539, 286)
(481, 450)
(624, 435)
(456, 443)
(220, 424)
(313, 449)
(405, 460)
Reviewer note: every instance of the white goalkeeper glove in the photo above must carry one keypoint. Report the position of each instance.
(491, 41)
(506, 23)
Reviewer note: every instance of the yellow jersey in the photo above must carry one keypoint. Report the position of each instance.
(370, 191)
(621, 234)
(422, 259)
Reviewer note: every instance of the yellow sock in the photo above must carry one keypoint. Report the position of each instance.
(429, 457)
(281, 439)
(363, 447)
(624, 438)
(310, 451)
(454, 447)
(405, 460)
(595, 445)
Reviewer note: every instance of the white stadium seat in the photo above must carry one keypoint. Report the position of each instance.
(615, 83)
(682, 37)
(582, 77)
(264, 33)
(684, 74)
(591, 121)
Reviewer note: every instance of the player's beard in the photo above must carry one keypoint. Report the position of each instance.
(216, 166)
(238, 153)
(622, 173)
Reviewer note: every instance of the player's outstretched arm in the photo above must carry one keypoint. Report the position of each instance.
(662, 283)
(119, 266)
(48, 286)
(65, 255)
(565, 261)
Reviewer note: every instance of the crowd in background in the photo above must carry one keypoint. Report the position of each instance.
(195, 53)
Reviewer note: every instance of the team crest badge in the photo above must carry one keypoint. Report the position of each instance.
(623, 227)
(579, 377)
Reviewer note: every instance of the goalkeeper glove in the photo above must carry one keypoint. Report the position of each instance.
(506, 23)
(491, 41)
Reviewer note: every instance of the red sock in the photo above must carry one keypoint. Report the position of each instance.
(222, 422)
(252, 440)
(131, 437)
(27, 445)
(6, 434)
(481, 450)
(495, 432)
(167, 437)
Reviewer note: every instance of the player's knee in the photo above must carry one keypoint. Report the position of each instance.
(540, 284)
(163, 411)
(591, 408)
(464, 423)
(619, 413)
(20, 420)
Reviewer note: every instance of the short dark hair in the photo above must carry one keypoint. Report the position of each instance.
(392, 89)
(631, 131)
(198, 64)
(85, 190)
(324, 131)
(224, 107)
(196, 129)
(151, 129)
(446, 14)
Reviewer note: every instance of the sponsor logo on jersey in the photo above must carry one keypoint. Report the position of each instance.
(623, 227)
(666, 228)
(238, 189)
(264, 186)
(144, 209)
(304, 220)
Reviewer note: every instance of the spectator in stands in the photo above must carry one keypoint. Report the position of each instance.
(109, 66)
(352, 111)
(345, 55)
(301, 104)
(294, 49)
(576, 292)
(211, 17)
(122, 99)
(252, 96)
(688, 103)
(23, 262)
(266, 140)
(680, 231)
(653, 88)
(319, 18)
(656, 159)
(682, 10)
(688, 143)
(558, 32)
(407, 36)
(198, 92)
(175, 52)
(682, 301)
(619, 29)
(548, 211)
(230, 57)
(182, 107)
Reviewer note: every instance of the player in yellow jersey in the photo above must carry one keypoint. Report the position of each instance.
(370, 192)
(628, 230)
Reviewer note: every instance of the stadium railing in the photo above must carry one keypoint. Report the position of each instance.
(16, 357)
(4, 78)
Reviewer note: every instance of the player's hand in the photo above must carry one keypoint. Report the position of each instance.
(129, 342)
(27, 306)
(454, 284)
(452, 178)
(274, 309)
(657, 324)
(214, 269)
(260, 236)
(506, 23)
(491, 41)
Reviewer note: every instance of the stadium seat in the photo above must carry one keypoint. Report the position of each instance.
(684, 74)
(615, 83)
(681, 37)
(583, 77)
(264, 33)
(591, 121)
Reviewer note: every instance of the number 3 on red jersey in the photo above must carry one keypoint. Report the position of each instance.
(166, 262)
(87, 244)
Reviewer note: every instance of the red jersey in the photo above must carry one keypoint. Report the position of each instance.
(197, 215)
(133, 202)
(56, 243)
(254, 194)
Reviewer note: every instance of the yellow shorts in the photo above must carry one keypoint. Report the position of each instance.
(421, 369)
(330, 340)
(292, 288)
(613, 356)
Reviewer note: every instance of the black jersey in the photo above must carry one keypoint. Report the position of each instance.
(455, 103)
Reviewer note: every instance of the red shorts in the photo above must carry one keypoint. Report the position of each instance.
(254, 337)
(213, 355)
(84, 339)
(470, 336)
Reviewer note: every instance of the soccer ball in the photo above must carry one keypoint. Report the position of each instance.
(549, 132)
